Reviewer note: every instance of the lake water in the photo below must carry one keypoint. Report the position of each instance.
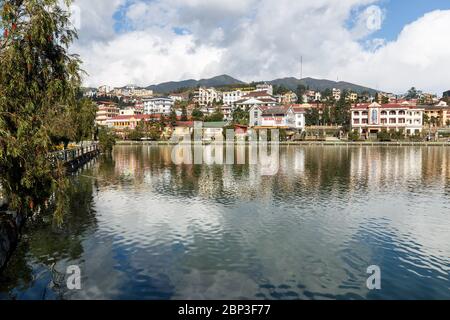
(141, 227)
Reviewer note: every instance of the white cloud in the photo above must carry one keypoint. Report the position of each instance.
(260, 39)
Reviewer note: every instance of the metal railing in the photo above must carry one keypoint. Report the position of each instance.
(69, 155)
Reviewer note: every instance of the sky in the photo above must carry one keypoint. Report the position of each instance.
(389, 45)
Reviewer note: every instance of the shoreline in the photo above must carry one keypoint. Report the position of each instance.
(300, 143)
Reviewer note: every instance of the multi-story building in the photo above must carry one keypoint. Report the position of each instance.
(206, 97)
(311, 96)
(370, 119)
(263, 116)
(122, 123)
(106, 111)
(353, 97)
(159, 105)
(289, 98)
(296, 117)
(231, 97)
(446, 94)
(265, 87)
(336, 94)
(179, 97)
(438, 115)
(103, 90)
(130, 111)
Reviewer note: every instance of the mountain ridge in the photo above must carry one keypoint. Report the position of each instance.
(289, 82)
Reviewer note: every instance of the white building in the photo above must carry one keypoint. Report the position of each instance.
(160, 105)
(231, 97)
(296, 118)
(265, 87)
(337, 94)
(130, 111)
(370, 119)
(206, 97)
(268, 116)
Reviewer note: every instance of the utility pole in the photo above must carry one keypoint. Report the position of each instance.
(301, 67)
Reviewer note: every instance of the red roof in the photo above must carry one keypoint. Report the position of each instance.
(185, 124)
(386, 106)
(137, 117)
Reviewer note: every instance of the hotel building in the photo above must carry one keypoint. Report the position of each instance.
(370, 119)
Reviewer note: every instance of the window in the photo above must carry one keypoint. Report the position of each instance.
(402, 113)
(356, 121)
(392, 113)
(392, 121)
(402, 120)
(383, 113)
(365, 113)
(364, 121)
(356, 113)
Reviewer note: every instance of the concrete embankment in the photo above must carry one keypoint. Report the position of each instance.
(306, 143)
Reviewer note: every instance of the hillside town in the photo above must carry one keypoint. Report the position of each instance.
(134, 113)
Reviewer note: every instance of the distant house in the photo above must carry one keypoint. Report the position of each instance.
(213, 130)
(296, 117)
(183, 129)
(446, 94)
(180, 97)
(265, 116)
(157, 105)
(106, 111)
(122, 123)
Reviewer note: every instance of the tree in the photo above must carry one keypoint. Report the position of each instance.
(184, 116)
(39, 81)
(326, 116)
(240, 116)
(426, 119)
(354, 136)
(412, 94)
(138, 133)
(383, 135)
(107, 139)
(173, 117)
(216, 116)
(312, 117)
(301, 90)
(197, 114)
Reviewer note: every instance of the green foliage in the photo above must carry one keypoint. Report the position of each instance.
(216, 116)
(172, 117)
(106, 139)
(354, 136)
(240, 116)
(184, 116)
(397, 135)
(280, 90)
(39, 82)
(312, 117)
(301, 90)
(197, 114)
(384, 136)
(412, 93)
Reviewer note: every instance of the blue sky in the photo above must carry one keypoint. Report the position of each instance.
(399, 13)
(151, 41)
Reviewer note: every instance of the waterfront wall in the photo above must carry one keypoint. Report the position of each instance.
(304, 143)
